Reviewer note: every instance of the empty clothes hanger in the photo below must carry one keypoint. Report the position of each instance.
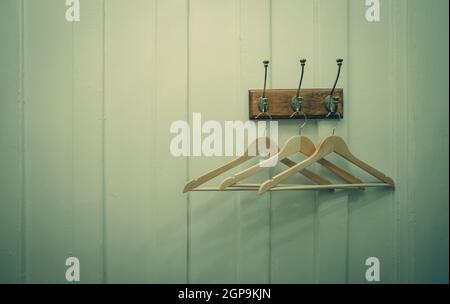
(297, 144)
(332, 144)
(253, 147)
(233, 180)
(227, 167)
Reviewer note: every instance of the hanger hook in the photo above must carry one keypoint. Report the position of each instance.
(302, 126)
(264, 114)
(334, 114)
(270, 118)
(305, 120)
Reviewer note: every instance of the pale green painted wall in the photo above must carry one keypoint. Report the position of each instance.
(85, 169)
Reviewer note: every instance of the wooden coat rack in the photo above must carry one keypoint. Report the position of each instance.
(297, 104)
(280, 104)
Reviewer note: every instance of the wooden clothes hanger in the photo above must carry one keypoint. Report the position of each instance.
(246, 157)
(297, 144)
(332, 144)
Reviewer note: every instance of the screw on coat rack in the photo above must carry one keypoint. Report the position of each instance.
(332, 102)
(297, 100)
(263, 103)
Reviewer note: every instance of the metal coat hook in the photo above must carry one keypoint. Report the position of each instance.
(297, 100)
(263, 103)
(332, 102)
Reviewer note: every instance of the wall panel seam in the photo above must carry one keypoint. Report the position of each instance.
(237, 202)
(23, 246)
(72, 150)
(410, 202)
(104, 199)
(154, 139)
(348, 85)
(394, 83)
(188, 196)
(270, 195)
(402, 197)
(316, 69)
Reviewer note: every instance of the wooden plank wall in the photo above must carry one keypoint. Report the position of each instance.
(85, 168)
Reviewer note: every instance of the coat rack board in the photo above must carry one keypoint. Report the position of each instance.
(280, 104)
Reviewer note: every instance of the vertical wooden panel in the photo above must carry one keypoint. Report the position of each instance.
(403, 196)
(11, 149)
(332, 208)
(146, 58)
(169, 204)
(130, 139)
(370, 214)
(213, 92)
(254, 211)
(428, 85)
(88, 139)
(292, 225)
(49, 145)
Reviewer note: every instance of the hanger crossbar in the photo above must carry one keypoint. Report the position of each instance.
(255, 187)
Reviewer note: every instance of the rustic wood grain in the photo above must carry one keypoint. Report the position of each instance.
(280, 103)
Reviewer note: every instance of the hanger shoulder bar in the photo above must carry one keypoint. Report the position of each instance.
(340, 172)
(250, 153)
(233, 180)
(321, 152)
(307, 148)
(308, 174)
(296, 144)
(369, 169)
(212, 174)
(341, 148)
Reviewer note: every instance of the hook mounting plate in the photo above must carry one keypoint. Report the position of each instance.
(263, 105)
